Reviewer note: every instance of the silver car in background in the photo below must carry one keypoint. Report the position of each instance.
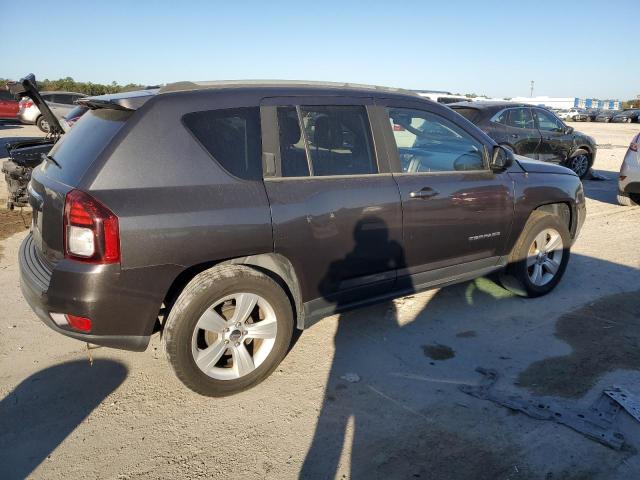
(629, 180)
(60, 104)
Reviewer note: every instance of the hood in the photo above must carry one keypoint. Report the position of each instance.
(536, 166)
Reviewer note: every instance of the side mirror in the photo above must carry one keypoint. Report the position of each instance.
(568, 130)
(501, 159)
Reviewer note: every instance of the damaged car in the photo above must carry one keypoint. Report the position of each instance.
(25, 154)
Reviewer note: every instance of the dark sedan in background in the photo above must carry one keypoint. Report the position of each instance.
(605, 115)
(533, 132)
(627, 116)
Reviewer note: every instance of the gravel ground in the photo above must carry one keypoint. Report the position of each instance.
(401, 415)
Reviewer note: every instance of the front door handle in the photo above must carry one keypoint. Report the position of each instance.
(514, 135)
(426, 192)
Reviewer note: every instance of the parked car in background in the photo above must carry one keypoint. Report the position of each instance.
(445, 98)
(8, 105)
(26, 153)
(593, 113)
(605, 115)
(574, 114)
(533, 132)
(72, 117)
(629, 180)
(631, 115)
(60, 103)
(251, 177)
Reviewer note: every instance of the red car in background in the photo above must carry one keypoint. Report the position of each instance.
(8, 104)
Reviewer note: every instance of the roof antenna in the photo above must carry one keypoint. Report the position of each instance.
(532, 82)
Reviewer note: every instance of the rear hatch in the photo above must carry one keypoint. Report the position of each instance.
(27, 87)
(64, 167)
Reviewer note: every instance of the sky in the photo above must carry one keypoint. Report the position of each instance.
(586, 49)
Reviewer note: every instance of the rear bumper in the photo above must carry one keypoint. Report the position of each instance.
(28, 116)
(122, 316)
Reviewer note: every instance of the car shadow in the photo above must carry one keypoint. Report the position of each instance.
(603, 189)
(392, 405)
(39, 413)
(6, 124)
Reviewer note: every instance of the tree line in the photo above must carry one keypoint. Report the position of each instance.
(68, 84)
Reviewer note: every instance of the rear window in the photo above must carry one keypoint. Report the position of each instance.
(469, 113)
(77, 149)
(232, 138)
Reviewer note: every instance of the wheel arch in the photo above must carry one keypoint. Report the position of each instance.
(276, 266)
(562, 210)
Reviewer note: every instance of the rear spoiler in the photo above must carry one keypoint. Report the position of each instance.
(27, 87)
(119, 101)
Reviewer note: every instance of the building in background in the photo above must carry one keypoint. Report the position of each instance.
(566, 103)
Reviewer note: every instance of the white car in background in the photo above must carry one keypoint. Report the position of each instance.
(629, 180)
(574, 114)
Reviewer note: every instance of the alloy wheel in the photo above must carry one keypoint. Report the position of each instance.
(579, 164)
(234, 336)
(544, 257)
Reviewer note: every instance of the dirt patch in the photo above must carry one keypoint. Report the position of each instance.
(604, 335)
(467, 334)
(438, 352)
(13, 221)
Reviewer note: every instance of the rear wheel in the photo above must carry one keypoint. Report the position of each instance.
(580, 164)
(628, 199)
(539, 258)
(42, 124)
(229, 329)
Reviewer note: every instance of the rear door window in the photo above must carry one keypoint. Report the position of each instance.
(232, 137)
(520, 118)
(334, 140)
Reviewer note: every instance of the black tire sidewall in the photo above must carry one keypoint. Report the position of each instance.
(518, 265)
(39, 122)
(185, 314)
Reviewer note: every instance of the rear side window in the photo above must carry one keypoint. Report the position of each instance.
(77, 149)
(232, 137)
(470, 114)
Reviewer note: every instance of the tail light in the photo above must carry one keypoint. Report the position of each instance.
(79, 323)
(91, 232)
(24, 104)
(634, 143)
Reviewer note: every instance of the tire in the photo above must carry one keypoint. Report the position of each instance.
(580, 164)
(42, 124)
(628, 199)
(209, 300)
(519, 275)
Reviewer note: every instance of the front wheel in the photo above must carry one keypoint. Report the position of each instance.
(539, 258)
(229, 329)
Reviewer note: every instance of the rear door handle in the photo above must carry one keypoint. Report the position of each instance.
(426, 192)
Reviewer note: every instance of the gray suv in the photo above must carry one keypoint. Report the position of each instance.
(229, 214)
